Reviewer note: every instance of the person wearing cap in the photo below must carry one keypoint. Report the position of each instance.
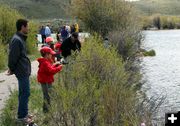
(49, 42)
(45, 75)
(57, 48)
(71, 43)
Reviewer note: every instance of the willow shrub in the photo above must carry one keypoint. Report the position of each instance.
(32, 39)
(115, 19)
(93, 90)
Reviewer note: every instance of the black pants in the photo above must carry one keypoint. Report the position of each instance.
(43, 38)
(46, 89)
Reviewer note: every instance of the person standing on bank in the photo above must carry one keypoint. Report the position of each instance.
(20, 65)
(69, 44)
(43, 35)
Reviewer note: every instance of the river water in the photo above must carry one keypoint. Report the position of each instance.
(161, 73)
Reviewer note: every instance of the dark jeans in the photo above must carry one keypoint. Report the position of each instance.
(46, 89)
(23, 97)
(43, 38)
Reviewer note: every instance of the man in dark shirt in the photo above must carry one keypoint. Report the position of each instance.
(71, 43)
(20, 65)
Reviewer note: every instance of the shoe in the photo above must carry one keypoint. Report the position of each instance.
(30, 116)
(25, 120)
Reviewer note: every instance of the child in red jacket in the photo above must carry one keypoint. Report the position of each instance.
(45, 74)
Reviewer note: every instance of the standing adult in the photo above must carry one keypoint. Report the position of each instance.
(42, 32)
(76, 27)
(71, 43)
(64, 33)
(20, 65)
(47, 31)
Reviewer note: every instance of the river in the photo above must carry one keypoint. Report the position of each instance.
(161, 73)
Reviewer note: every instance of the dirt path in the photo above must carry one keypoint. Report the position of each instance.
(8, 83)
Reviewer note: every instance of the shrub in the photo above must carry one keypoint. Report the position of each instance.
(8, 18)
(32, 39)
(94, 90)
(110, 18)
(149, 53)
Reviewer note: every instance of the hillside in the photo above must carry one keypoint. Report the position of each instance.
(48, 9)
(39, 9)
(167, 7)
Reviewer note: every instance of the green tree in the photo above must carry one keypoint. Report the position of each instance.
(115, 19)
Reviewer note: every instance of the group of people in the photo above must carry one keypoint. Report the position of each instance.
(63, 32)
(20, 65)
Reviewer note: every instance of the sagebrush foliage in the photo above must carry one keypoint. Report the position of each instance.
(8, 20)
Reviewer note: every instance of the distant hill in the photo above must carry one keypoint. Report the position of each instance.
(167, 7)
(48, 9)
(39, 9)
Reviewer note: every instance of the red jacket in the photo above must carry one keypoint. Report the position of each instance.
(47, 70)
(57, 47)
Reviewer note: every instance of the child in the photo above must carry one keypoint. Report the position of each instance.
(58, 50)
(49, 43)
(45, 74)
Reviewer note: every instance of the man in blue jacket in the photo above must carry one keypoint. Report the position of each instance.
(43, 35)
(20, 65)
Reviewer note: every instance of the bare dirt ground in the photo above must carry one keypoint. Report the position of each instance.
(9, 83)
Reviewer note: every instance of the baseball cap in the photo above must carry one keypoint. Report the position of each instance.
(46, 49)
(49, 39)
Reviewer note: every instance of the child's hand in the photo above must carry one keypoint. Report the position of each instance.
(57, 64)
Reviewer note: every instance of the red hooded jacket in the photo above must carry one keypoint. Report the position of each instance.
(47, 70)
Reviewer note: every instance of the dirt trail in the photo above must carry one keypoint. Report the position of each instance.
(8, 83)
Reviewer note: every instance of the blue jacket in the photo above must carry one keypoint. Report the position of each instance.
(47, 31)
(42, 31)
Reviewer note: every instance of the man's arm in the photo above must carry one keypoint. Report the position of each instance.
(14, 54)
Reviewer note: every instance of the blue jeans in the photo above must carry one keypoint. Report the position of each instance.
(23, 97)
